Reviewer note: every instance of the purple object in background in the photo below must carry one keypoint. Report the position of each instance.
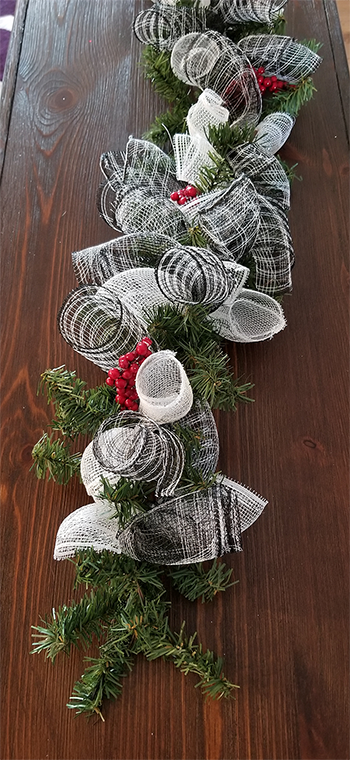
(7, 10)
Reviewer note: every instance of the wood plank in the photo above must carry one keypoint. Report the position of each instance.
(283, 629)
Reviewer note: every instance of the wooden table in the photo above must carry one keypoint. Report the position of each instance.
(75, 89)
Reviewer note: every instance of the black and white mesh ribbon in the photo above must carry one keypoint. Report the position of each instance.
(192, 275)
(266, 172)
(136, 210)
(228, 218)
(281, 56)
(185, 529)
(210, 60)
(98, 326)
(204, 454)
(240, 11)
(131, 445)
(137, 290)
(272, 250)
(163, 388)
(99, 263)
(163, 24)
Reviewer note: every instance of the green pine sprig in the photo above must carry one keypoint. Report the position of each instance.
(79, 411)
(76, 624)
(129, 497)
(189, 332)
(290, 100)
(52, 458)
(194, 582)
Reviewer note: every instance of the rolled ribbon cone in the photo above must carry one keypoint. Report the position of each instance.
(134, 446)
(163, 388)
(249, 318)
(281, 56)
(273, 131)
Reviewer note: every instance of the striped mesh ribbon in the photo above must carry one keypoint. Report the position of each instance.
(281, 56)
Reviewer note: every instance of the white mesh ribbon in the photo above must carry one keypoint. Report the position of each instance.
(265, 171)
(239, 11)
(249, 318)
(91, 526)
(273, 131)
(208, 110)
(185, 529)
(131, 445)
(92, 474)
(191, 154)
(98, 326)
(187, 274)
(163, 388)
(280, 56)
(272, 250)
(163, 24)
(210, 60)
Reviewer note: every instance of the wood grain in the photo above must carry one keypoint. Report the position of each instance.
(283, 629)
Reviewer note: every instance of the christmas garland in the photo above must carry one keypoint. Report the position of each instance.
(205, 256)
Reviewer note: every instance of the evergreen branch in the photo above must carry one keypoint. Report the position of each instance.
(226, 137)
(193, 581)
(79, 411)
(291, 100)
(157, 68)
(189, 332)
(312, 44)
(236, 32)
(167, 124)
(129, 497)
(214, 177)
(75, 624)
(102, 680)
(53, 458)
(153, 637)
(289, 170)
(129, 579)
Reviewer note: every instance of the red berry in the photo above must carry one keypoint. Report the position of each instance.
(130, 356)
(262, 88)
(123, 362)
(127, 374)
(120, 398)
(129, 403)
(174, 196)
(260, 79)
(182, 201)
(110, 381)
(142, 348)
(134, 406)
(280, 84)
(274, 87)
(191, 191)
(273, 78)
(134, 368)
(113, 373)
(267, 82)
(261, 70)
(120, 383)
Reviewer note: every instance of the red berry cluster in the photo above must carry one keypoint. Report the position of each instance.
(182, 196)
(269, 84)
(123, 377)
